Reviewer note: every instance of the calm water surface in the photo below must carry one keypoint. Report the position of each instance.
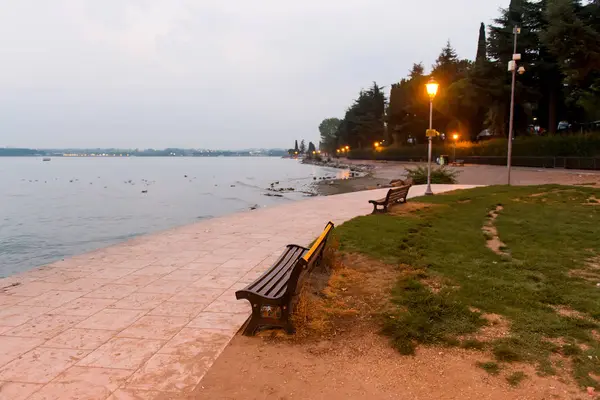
(50, 210)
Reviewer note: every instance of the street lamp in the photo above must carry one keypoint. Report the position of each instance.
(512, 67)
(455, 137)
(432, 89)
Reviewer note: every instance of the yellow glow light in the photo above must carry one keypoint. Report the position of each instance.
(455, 136)
(432, 87)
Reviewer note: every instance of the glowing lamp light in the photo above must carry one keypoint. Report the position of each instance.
(432, 87)
(376, 144)
(347, 148)
(455, 136)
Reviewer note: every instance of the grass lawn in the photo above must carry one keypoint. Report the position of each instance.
(544, 282)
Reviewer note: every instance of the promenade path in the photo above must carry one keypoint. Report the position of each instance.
(146, 318)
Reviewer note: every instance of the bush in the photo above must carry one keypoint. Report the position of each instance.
(438, 175)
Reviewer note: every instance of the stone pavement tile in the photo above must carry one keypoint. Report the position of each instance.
(83, 383)
(112, 273)
(134, 263)
(132, 394)
(17, 391)
(170, 308)
(53, 298)
(164, 286)
(122, 353)
(84, 306)
(76, 338)
(13, 347)
(200, 266)
(226, 321)
(197, 295)
(85, 284)
(9, 300)
(141, 301)
(169, 373)
(137, 280)
(31, 289)
(111, 319)
(227, 303)
(186, 275)
(214, 259)
(157, 270)
(17, 315)
(112, 291)
(40, 365)
(155, 327)
(45, 326)
(216, 281)
(191, 342)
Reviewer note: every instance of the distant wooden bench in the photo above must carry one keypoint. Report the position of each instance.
(272, 294)
(394, 196)
(458, 163)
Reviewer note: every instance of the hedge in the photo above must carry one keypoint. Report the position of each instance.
(586, 145)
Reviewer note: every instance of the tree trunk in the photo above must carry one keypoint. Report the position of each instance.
(552, 118)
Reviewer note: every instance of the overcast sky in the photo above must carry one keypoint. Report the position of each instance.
(208, 73)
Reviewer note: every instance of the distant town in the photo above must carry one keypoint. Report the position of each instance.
(170, 152)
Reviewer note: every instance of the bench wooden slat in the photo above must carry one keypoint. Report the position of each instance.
(282, 266)
(282, 276)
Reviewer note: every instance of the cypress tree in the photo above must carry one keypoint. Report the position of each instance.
(481, 46)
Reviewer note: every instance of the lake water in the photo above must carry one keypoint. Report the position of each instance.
(67, 206)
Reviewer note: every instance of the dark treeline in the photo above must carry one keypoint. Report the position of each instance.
(560, 48)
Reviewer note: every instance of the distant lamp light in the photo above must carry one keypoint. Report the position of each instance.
(347, 148)
(432, 87)
(455, 136)
(376, 144)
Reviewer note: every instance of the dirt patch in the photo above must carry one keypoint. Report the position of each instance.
(362, 366)
(343, 356)
(592, 201)
(590, 273)
(410, 207)
(490, 231)
(565, 311)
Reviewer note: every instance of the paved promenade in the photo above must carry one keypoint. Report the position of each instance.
(145, 319)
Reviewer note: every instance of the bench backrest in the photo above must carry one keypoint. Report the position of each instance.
(310, 258)
(396, 194)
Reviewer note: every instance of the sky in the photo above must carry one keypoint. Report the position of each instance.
(209, 73)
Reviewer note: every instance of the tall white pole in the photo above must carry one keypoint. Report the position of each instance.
(428, 191)
(512, 107)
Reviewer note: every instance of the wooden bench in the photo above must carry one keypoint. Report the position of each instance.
(272, 295)
(394, 196)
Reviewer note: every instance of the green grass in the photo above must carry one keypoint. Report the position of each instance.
(516, 378)
(547, 235)
(490, 367)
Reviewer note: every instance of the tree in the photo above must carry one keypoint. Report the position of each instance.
(296, 147)
(481, 46)
(328, 129)
(311, 147)
(302, 147)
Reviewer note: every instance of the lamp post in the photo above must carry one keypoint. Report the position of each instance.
(512, 67)
(432, 89)
(455, 137)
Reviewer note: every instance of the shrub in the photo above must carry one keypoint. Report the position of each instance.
(438, 175)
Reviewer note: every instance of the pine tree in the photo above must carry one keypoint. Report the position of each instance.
(302, 147)
(296, 147)
(481, 46)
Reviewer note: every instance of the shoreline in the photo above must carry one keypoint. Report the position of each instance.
(379, 174)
